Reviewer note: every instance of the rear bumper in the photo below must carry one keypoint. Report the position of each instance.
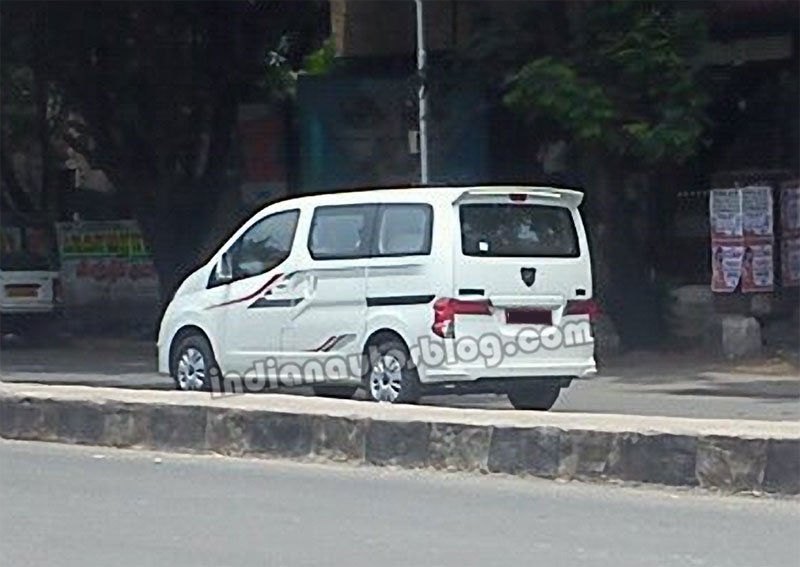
(32, 308)
(473, 373)
(494, 385)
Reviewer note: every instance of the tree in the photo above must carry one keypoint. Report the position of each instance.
(149, 92)
(627, 84)
(622, 85)
(21, 111)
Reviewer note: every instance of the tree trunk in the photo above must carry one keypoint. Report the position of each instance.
(622, 265)
(599, 214)
(175, 225)
(48, 202)
(20, 199)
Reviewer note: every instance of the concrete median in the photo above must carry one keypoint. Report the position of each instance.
(726, 455)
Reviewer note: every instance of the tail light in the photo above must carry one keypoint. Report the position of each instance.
(446, 309)
(583, 307)
(56, 290)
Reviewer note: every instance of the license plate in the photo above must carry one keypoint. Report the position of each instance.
(529, 317)
(22, 290)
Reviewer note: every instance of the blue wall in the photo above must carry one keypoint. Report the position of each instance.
(353, 132)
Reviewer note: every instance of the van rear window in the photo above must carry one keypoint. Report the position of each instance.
(515, 230)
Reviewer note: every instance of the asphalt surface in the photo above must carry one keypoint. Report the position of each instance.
(78, 506)
(675, 385)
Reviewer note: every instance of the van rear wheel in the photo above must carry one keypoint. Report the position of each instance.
(539, 397)
(390, 376)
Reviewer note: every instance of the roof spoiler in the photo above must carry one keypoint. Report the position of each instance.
(570, 197)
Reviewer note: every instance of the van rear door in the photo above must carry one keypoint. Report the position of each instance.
(525, 255)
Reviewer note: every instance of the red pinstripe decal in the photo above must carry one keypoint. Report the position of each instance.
(259, 291)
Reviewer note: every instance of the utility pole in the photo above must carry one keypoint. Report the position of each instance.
(423, 103)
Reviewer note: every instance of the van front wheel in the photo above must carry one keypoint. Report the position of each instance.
(193, 363)
(539, 397)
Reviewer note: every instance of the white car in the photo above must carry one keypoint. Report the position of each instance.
(399, 291)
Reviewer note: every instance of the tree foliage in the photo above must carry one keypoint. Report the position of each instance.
(626, 81)
(321, 61)
(149, 93)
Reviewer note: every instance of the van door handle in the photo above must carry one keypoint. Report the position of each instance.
(310, 288)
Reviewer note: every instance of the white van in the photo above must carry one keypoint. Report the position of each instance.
(30, 287)
(399, 291)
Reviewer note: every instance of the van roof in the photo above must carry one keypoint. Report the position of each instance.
(446, 193)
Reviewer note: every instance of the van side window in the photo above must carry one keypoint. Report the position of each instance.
(341, 232)
(404, 230)
(264, 245)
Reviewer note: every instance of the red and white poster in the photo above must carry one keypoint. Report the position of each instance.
(790, 261)
(742, 239)
(726, 267)
(757, 268)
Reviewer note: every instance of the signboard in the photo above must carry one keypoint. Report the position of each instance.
(105, 262)
(100, 238)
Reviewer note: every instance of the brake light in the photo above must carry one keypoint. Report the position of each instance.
(582, 307)
(56, 290)
(445, 310)
(518, 197)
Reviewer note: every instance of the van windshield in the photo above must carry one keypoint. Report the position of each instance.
(516, 230)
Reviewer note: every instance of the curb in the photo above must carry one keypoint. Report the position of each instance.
(725, 455)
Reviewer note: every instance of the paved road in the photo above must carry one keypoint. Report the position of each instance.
(671, 386)
(63, 506)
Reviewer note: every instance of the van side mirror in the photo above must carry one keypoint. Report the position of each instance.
(224, 270)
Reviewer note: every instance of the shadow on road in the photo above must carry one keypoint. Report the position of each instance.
(639, 383)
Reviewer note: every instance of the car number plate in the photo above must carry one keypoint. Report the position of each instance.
(22, 290)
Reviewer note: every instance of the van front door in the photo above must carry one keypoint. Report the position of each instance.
(259, 300)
